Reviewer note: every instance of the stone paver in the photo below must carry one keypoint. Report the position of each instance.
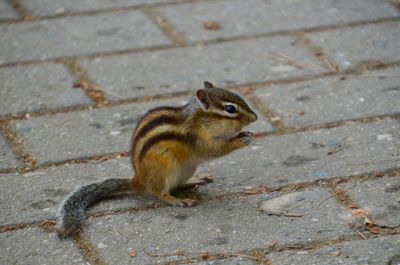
(257, 16)
(38, 87)
(53, 7)
(380, 198)
(305, 157)
(35, 196)
(144, 74)
(221, 226)
(334, 99)
(71, 35)
(7, 157)
(230, 43)
(236, 261)
(373, 251)
(351, 46)
(34, 246)
(100, 131)
(6, 12)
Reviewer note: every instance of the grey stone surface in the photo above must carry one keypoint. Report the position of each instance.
(35, 196)
(34, 246)
(101, 131)
(38, 87)
(54, 7)
(78, 35)
(351, 46)
(220, 226)
(6, 11)
(236, 261)
(159, 72)
(257, 16)
(380, 198)
(372, 251)
(303, 157)
(333, 99)
(7, 157)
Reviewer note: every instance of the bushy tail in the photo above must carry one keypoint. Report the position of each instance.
(72, 210)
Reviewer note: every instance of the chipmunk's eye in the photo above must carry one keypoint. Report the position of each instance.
(230, 108)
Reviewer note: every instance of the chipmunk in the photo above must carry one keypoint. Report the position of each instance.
(167, 146)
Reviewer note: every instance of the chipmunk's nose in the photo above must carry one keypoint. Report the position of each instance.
(253, 116)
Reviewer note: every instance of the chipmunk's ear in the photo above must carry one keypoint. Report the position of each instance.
(202, 98)
(208, 85)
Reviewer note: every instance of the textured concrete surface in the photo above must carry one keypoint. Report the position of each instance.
(70, 36)
(6, 12)
(185, 69)
(222, 227)
(54, 7)
(7, 158)
(335, 98)
(318, 128)
(35, 246)
(306, 157)
(258, 17)
(380, 198)
(35, 196)
(374, 251)
(379, 44)
(38, 87)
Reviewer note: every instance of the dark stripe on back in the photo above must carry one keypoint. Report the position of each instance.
(167, 136)
(168, 108)
(158, 121)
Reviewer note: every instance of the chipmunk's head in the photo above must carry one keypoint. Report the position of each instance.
(228, 110)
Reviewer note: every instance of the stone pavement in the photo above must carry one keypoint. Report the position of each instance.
(320, 185)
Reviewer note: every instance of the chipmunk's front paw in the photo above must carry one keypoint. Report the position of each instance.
(245, 137)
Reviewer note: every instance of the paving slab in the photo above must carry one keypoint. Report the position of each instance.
(177, 70)
(381, 250)
(236, 261)
(305, 157)
(101, 131)
(6, 11)
(380, 198)
(38, 87)
(35, 196)
(351, 46)
(237, 18)
(69, 36)
(334, 99)
(34, 246)
(7, 157)
(54, 7)
(220, 226)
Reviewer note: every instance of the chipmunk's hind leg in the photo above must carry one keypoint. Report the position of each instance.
(162, 173)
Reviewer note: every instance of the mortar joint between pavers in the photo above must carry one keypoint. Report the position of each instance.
(165, 26)
(86, 83)
(212, 256)
(87, 250)
(22, 10)
(18, 147)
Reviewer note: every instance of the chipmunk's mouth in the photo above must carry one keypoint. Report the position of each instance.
(235, 135)
(241, 134)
